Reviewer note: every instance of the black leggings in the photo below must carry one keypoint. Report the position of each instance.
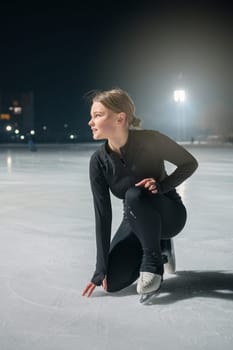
(148, 218)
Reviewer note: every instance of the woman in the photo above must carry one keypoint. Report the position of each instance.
(131, 164)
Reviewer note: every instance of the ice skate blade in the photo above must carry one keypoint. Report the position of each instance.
(146, 298)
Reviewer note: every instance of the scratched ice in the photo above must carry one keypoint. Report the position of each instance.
(47, 255)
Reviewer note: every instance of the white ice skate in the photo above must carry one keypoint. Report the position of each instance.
(169, 252)
(148, 285)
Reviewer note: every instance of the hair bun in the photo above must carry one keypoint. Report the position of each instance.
(136, 123)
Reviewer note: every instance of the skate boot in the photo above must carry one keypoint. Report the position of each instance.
(168, 251)
(148, 282)
(151, 276)
(148, 286)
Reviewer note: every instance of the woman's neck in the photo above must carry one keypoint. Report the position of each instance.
(117, 142)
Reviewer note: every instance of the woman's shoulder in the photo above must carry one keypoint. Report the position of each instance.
(149, 137)
(144, 133)
(148, 133)
(99, 155)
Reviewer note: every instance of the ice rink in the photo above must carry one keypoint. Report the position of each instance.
(47, 256)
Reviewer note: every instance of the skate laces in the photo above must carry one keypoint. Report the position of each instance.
(148, 282)
(147, 278)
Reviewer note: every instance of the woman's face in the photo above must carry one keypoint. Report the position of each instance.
(103, 121)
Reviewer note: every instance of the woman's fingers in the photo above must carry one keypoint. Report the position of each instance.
(142, 182)
(91, 286)
(104, 284)
(148, 183)
(89, 289)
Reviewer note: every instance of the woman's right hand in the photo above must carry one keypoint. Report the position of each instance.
(148, 183)
(91, 286)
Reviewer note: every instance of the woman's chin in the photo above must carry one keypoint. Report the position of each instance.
(96, 136)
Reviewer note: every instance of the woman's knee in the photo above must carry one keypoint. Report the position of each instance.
(134, 203)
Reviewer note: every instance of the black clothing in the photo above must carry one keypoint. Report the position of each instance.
(142, 156)
(126, 257)
(153, 217)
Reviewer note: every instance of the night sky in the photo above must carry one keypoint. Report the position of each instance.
(63, 52)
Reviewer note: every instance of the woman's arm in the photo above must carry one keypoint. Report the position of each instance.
(103, 218)
(179, 156)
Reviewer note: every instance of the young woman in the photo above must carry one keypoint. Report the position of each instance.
(130, 164)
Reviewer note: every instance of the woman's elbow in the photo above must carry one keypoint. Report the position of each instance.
(194, 165)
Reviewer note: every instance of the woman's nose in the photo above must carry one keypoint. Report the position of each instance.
(91, 122)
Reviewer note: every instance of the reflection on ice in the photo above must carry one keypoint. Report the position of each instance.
(9, 163)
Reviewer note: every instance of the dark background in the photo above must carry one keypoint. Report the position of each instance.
(62, 51)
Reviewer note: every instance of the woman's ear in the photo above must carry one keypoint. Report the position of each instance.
(121, 118)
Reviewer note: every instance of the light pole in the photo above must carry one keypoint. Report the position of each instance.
(179, 98)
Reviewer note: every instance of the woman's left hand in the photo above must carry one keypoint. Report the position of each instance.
(148, 183)
(91, 286)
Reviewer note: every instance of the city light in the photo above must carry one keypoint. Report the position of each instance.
(16, 109)
(16, 133)
(8, 128)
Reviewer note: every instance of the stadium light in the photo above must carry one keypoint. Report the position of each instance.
(179, 96)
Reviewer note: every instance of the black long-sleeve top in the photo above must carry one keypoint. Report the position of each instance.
(142, 156)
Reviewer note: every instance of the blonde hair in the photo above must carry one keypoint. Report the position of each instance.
(118, 101)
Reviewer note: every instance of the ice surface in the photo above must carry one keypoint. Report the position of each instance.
(47, 256)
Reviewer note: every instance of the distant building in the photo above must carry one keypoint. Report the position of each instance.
(16, 114)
